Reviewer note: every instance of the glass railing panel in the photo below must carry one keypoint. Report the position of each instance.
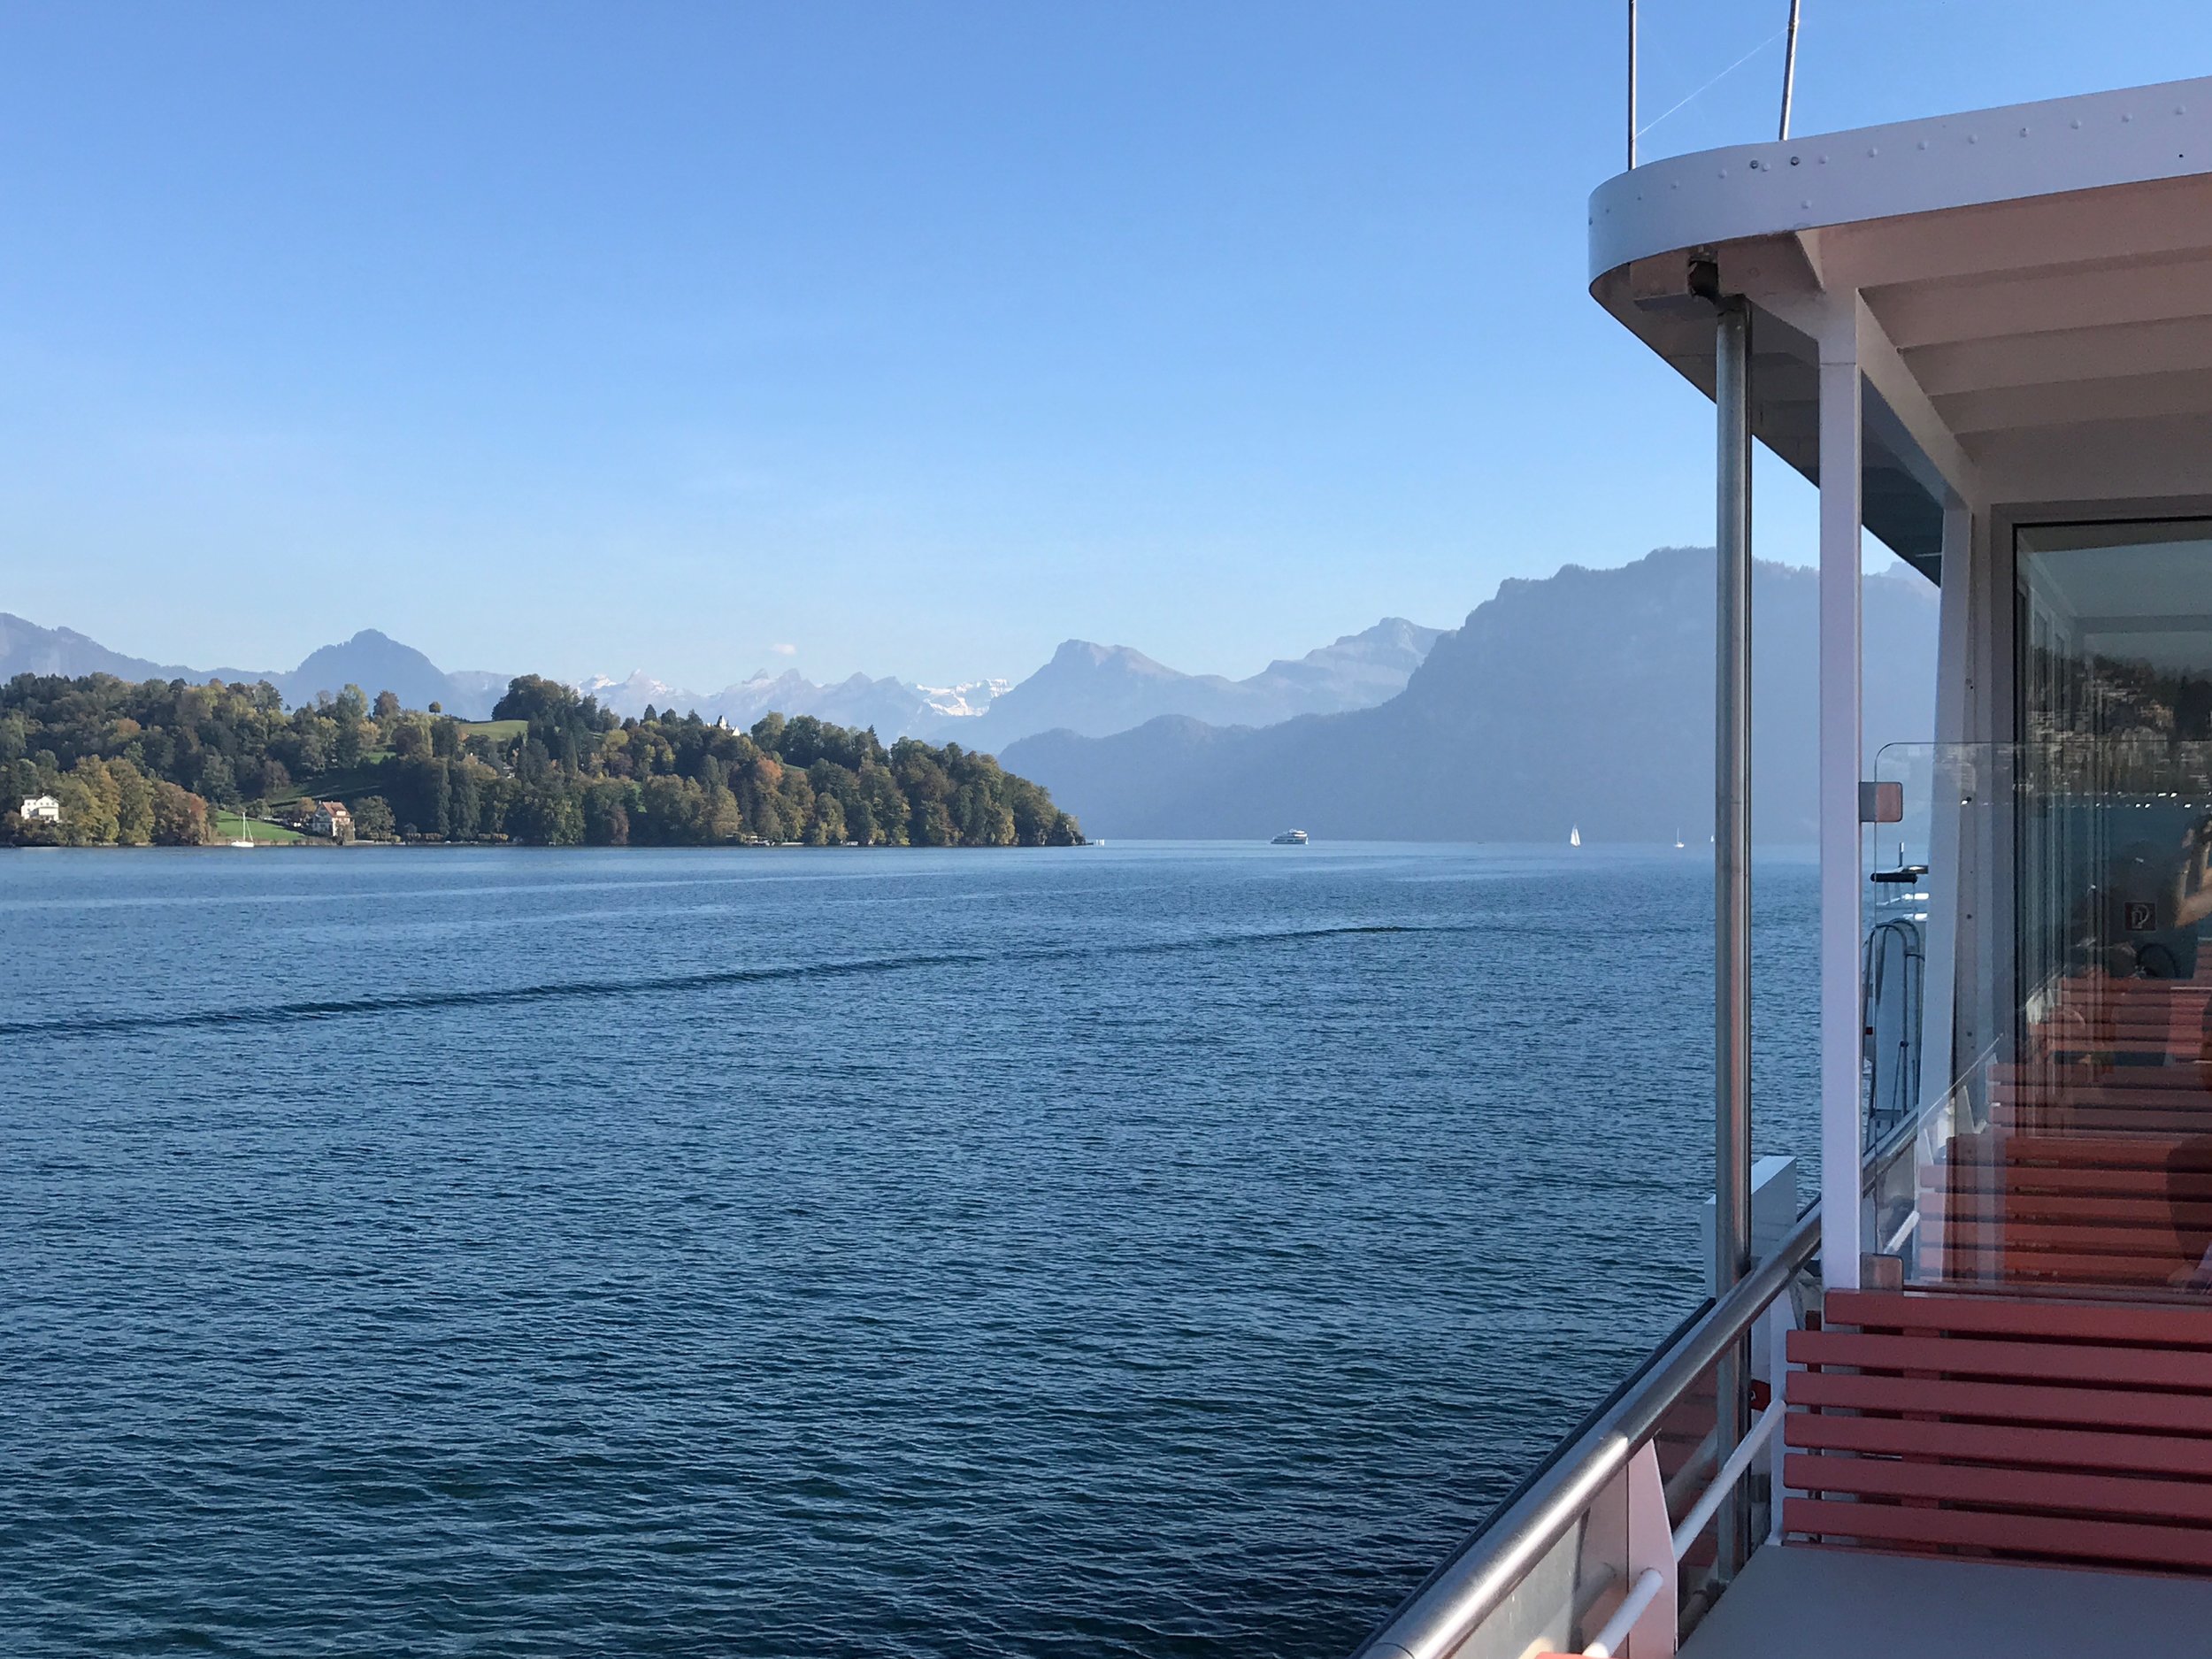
(2038, 1069)
(1569, 1593)
(1690, 1453)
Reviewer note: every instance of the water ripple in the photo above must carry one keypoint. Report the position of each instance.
(340, 1008)
(1122, 1256)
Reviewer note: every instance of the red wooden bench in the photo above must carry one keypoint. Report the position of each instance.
(2094, 1172)
(2019, 1429)
(2053, 1210)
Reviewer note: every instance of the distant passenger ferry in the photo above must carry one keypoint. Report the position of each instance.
(1289, 838)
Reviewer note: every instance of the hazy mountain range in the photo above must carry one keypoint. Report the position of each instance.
(1097, 689)
(894, 708)
(1584, 698)
(1084, 687)
(1092, 690)
(369, 659)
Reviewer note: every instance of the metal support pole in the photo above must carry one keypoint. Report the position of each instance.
(1631, 85)
(1731, 890)
(1789, 72)
(1842, 767)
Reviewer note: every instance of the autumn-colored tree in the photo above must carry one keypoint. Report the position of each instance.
(179, 818)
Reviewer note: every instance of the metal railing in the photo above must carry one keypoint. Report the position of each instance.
(1444, 1613)
(1789, 77)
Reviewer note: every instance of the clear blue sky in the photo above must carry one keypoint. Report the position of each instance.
(915, 337)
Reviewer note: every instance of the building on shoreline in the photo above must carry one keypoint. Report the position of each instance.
(331, 822)
(40, 809)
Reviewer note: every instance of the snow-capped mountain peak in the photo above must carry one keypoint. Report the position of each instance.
(966, 700)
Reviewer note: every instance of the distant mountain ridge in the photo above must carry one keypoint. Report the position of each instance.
(375, 663)
(371, 660)
(27, 649)
(1086, 688)
(893, 708)
(1584, 698)
(1095, 690)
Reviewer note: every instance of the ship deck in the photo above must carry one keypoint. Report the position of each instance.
(1813, 1603)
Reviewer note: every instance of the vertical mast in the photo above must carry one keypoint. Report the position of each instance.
(1631, 85)
(1789, 74)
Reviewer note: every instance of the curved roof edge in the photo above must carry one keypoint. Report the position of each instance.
(2025, 150)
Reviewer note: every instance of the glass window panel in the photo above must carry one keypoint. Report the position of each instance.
(2061, 1139)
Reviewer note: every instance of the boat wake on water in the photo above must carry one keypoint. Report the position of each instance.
(343, 1008)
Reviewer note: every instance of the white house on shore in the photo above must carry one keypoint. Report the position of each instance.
(40, 809)
(333, 822)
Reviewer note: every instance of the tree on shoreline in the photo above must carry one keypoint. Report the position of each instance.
(552, 768)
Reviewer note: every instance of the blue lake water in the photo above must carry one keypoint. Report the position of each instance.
(1135, 1250)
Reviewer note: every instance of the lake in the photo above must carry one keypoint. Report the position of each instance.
(1146, 1249)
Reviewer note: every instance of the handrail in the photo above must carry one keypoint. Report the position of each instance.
(1615, 1632)
(1648, 1583)
(1708, 1504)
(1433, 1622)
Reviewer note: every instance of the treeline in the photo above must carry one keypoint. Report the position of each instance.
(133, 763)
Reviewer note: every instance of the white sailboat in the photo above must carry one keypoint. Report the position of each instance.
(1574, 836)
(1678, 841)
(245, 831)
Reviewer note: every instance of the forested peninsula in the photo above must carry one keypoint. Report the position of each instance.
(98, 760)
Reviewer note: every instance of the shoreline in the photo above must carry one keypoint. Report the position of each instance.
(319, 845)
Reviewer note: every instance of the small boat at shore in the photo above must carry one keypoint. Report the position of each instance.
(1289, 838)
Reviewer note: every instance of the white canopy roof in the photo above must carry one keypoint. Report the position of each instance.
(2028, 292)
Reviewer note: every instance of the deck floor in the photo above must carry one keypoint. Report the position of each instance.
(1800, 1603)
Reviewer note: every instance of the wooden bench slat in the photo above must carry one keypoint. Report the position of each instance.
(2098, 1322)
(2004, 1402)
(2109, 1097)
(2071, 1274)
(2074, 1209)
(2142, 1260)
(2046, 1270)
(1971, 1356)
(2151, 1075)
(2080, 1151)
(2184, 1106)
(2152, 1180)
(2000, 1443)
(2014, 1075)
(2129, 1541)
(2118, 1002)
(2116, 1236)
(2182, 1077)
(2115, 1044)
(2095, 1026)
(2031, 1491)
(2106, 1121)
